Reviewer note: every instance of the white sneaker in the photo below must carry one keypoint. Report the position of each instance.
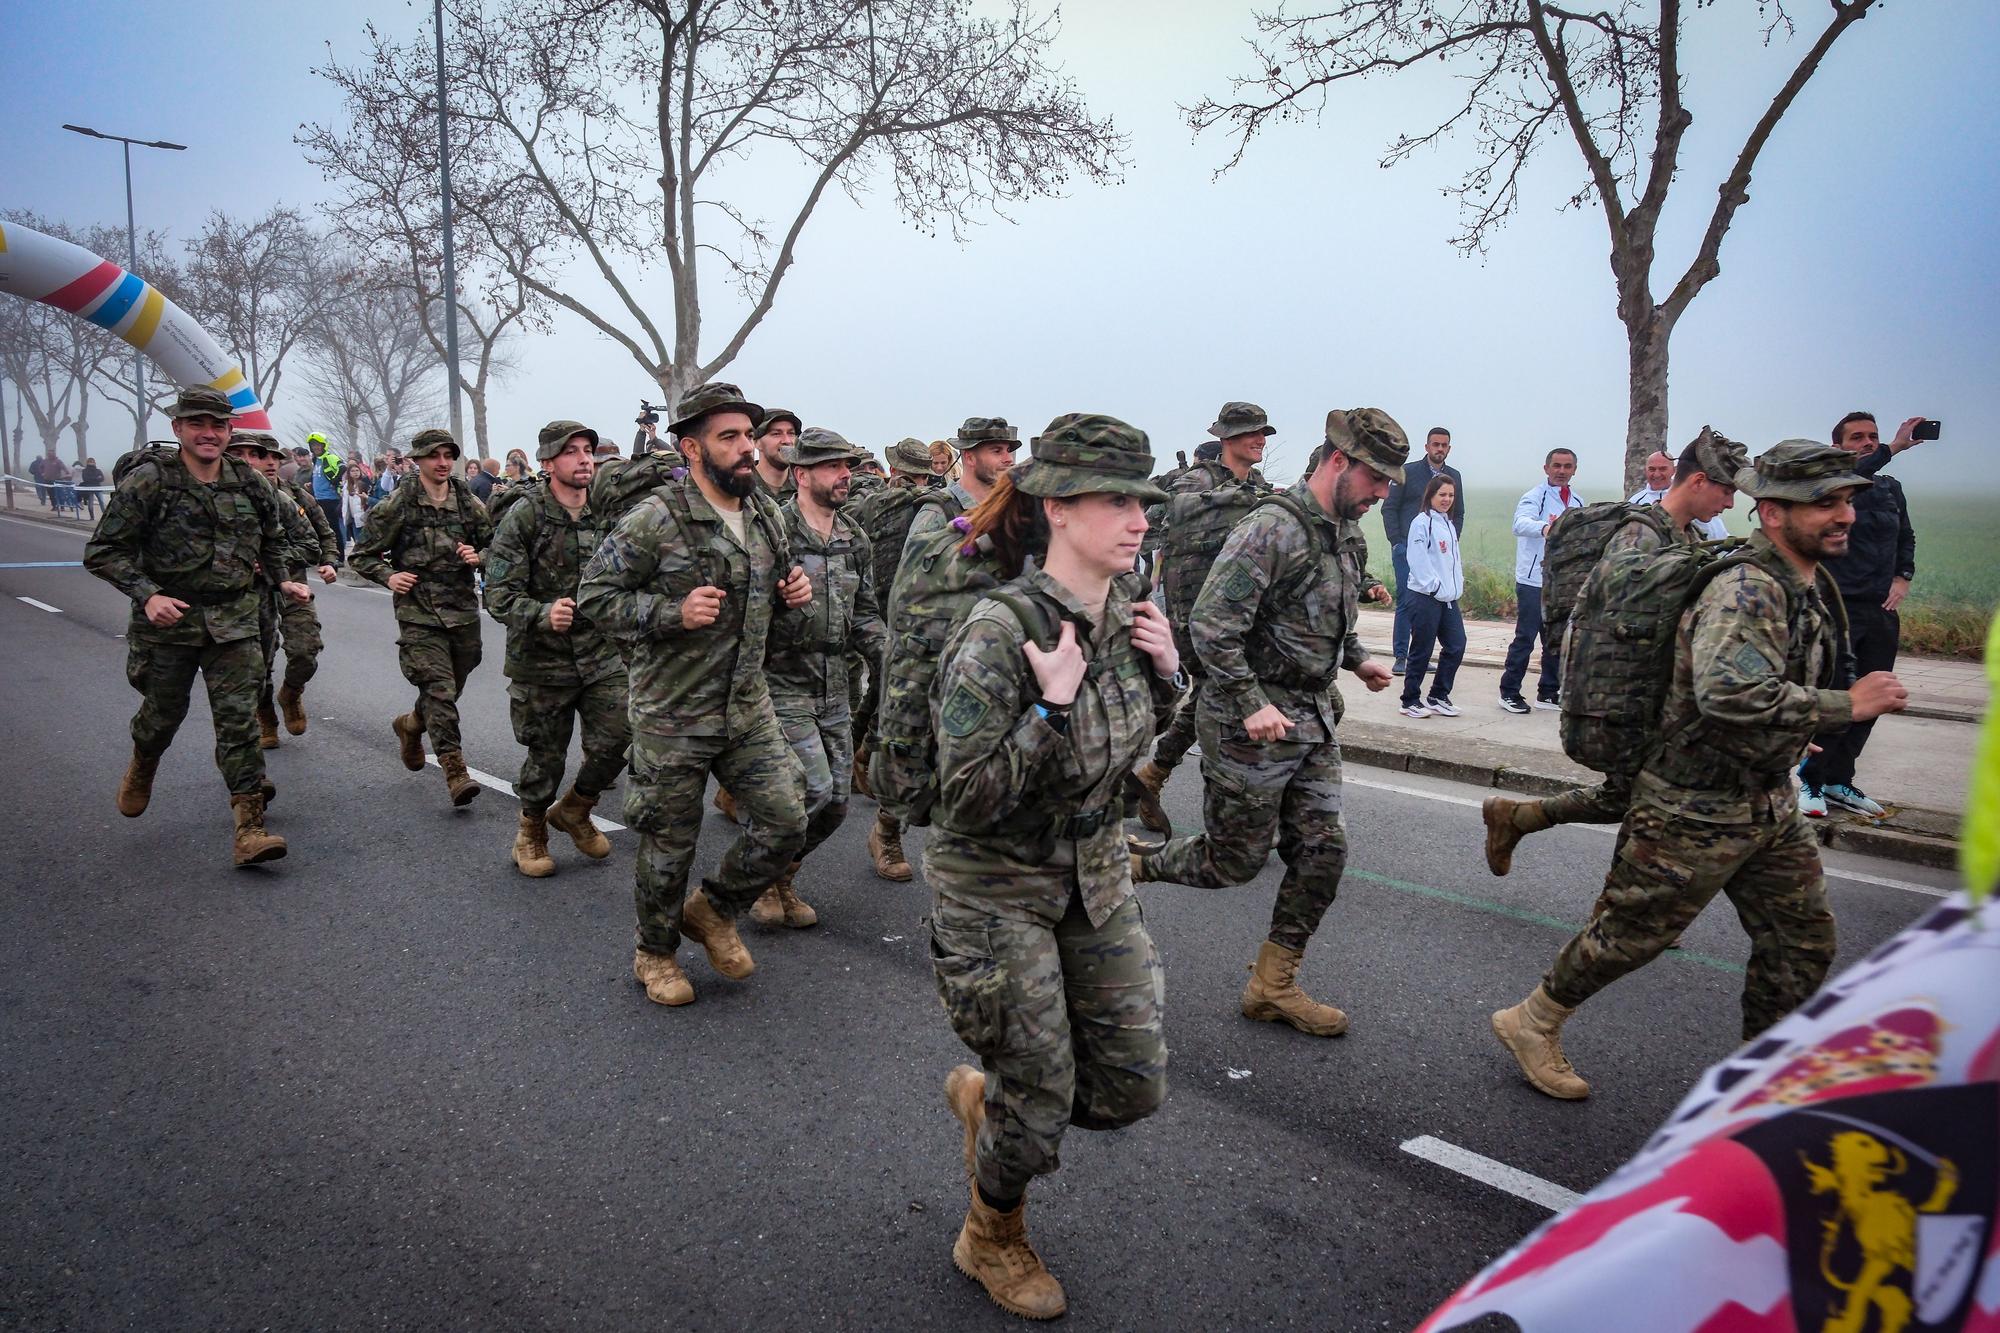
(1548, 705)
(1811, 803)
(1442, 707)
(1414, 710)
(1849, 797)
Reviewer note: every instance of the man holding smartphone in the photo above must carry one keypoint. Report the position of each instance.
(1873, 577)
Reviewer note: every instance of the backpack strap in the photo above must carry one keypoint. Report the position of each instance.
(1289, 503)
(1041, 628)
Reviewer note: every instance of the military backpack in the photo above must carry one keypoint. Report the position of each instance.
(621, 483)
(1198, 523)
(1576, 544)
(885, 516)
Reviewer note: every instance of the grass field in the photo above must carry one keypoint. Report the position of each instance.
(1946, 613)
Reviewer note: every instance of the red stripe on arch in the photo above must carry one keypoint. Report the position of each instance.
(85, 289)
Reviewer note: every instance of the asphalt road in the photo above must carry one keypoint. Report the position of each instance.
(389, 1082)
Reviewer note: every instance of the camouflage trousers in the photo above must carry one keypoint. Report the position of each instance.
(1065, 1019)
(164, 673)
(545, 716)
(1179, 736)
(438, 660)
(1257, 794)
(1667, 868)
(303, 643)
(1604, 803)
(823, 743)
(663, 804)
(862, 729)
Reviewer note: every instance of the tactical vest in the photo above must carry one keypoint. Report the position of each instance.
(886, 517)
(841, 554)
(1576, 544)
(234, 480)
(429, 534)
(759, 509)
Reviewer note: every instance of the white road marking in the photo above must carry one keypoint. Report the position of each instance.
(1489, 1172)
(45, 527)
(1929, 891)
(42, 606)
(506, 788)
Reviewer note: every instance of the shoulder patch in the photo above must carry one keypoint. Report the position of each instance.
(1238, 585)
(1749, 660)
(963, 711)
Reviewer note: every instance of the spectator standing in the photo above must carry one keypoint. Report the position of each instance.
(327, 470)
(478, 480)
(1873, 577)
(1659, 479)
(358, 497)
(1402, 508)
(35, 475)
(1436, 583)
(517, 469)
(93, 477)
(1536, 513)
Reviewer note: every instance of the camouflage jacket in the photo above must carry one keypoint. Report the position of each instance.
(537, 556)
(700, 682)
(1011, 788)
(1757, 653)
(936, 506)
(407, 532)
(301, 539)
(329, 541)
(782, 492)
(811, 646)
(1276, 619)
(165, 532)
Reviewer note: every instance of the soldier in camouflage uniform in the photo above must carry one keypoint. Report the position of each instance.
(260, 449)
(1714, 809)
(1242, 431)
(868, 477)
(561, 670)
(183, 537)
(299, 621)
(812, 649)
(423, 543)
(691, 577)
(1704, 486)
(1040, 949)
(1273, 625)
(777, 432)
(985, 448)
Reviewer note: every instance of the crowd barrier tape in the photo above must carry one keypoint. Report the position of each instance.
(37, 267)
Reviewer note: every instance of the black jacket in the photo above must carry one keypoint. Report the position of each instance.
(1883, 546)
(1406, 500)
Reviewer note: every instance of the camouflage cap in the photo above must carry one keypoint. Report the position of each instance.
(261, 440)
(1720, 457)
(1083, 453)
(1800, 470)
(715, 396)
(552, 437)
(979, 430)
(1240, 419)
(773, 416)
(818, 445)
(1371, 437)
(910, 455)
(428, 442)
(201, 401)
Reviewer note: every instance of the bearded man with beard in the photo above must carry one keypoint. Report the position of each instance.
(1714, 809)
(1273, 624)
(692, 577)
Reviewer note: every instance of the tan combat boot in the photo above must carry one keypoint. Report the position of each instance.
(253, 844)
(267, 727)
(717, 936)
(993, 1248)
(798, 912)
(1532, 1030)
(459, 782)
(409, 740)
(885, 844)
(571, 815)
(135, 793)
(1273, 995)
(726, 804)
(531, 847)
(965, 1094)
(1148, 780)
(292, 701)
(1507, 822)
(859, 782)
(662, 977)
(769, 909)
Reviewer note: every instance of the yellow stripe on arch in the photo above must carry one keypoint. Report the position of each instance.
(148, 323)
(230, 379)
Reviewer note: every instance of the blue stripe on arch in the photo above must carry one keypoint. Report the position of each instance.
(243, 397)
(116, 306)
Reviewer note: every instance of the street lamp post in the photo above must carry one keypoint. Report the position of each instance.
(132, 266)
(450, 264)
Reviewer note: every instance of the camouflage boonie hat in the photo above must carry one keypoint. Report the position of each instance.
(773, 417)
(1084, 453)
(1371, 437)
(202, 401)
(1801, 471)
(1720, 457)
(714, 396)
(818, 445)
(909, 455)
(979, 430)
(261, 440)
(550, 441)
(428, 442)
(1240, 419)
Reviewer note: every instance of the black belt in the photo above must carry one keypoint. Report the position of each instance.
(208, 599)
(1085, 823)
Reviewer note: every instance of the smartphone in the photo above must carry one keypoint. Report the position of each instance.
(1925, 430)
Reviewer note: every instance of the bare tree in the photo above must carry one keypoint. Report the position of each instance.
(1609, 78)
(604, 127)
(370, 365)
(259, 286)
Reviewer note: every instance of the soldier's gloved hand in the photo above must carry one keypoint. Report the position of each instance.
(562, 614)
(1058, 672)
(700, 608)
(1151, 636)
(163, 610)
(1268, 723)
(402, 581)
(795, 588)
(298, 592)
(468, 555)
(1373, 674)
(327, 573)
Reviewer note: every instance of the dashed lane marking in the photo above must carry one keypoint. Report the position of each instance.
(42, 606)
(42, 564)
(506, 788)
(1486, 1171)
